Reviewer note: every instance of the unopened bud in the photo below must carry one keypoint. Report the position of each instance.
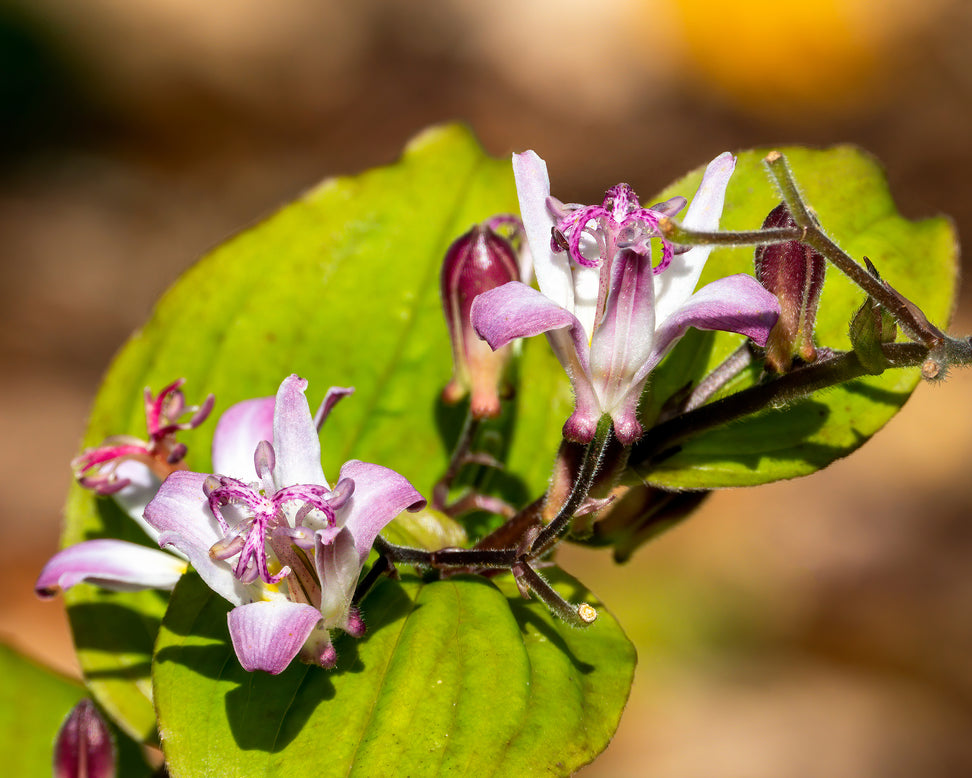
(794, 272)
(478, 261)
(84, 748)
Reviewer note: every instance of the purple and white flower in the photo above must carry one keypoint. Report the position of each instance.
(269, 534)
(611, 316)
(130, 471)
(266, 532)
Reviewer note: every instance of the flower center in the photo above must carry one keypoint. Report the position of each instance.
(593, 234)
(248, 517)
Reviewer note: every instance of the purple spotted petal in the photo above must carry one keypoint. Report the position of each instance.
(295, 437)
(623, 342)
(733, 304)
(180, 514)
(267, 635)
(240, 429)
(379, 496)
(515, 310)
(111, 564)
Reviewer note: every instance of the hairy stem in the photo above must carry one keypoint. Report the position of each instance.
(794, 385)
(593, 459)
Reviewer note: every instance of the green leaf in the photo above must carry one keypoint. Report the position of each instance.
(340, 287)
(453, 677)
(848, 191)
(34, 702)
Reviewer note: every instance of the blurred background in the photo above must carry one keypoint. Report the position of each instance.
(812, 628)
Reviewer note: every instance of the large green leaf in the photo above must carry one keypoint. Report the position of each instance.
(848, 191)
(34, 702)
(340, 287)
(453, 677)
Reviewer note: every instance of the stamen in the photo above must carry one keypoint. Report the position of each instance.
(227, 547)
(264, 460)
(340, 494)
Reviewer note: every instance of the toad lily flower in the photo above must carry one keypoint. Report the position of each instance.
(130, 471)
(285, 548)
(609, 315)
(97, 468)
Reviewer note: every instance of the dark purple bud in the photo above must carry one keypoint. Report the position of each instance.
(793, 272)
(84, 747)
(478, 261)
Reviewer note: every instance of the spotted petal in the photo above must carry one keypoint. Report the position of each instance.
(111, 564)
(380, 494)
(732, 304)
(295, 439)
(267, 635)
(180, 514)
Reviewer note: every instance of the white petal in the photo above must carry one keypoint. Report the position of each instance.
(676, 284)
(295, 437)
(241, 427)
(267, 635)
(142, 486)
(586, 285)
(111, 564)
(180, 514)
(533, 189)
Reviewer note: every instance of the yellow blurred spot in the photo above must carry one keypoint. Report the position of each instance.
(774, 56)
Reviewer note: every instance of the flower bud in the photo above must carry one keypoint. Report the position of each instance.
(478, 261)
(84, 747)
(793, 272)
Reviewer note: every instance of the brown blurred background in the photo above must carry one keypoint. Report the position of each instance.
(812, 628)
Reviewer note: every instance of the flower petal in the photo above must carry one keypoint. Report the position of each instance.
(552, 269)
(112, 564)
(623, 341)
(380, 494)
(674, 286)
(180, 514)
(334, 395)
(338, 565)
(238, 431)
(268, 634)
(732, 304)
(295, 438)
(516, 310)
(142, 486)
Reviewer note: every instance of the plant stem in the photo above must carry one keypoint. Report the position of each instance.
(912, 320)
(794, 385)
(460, 456)
(593, 459)
(582, 615)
